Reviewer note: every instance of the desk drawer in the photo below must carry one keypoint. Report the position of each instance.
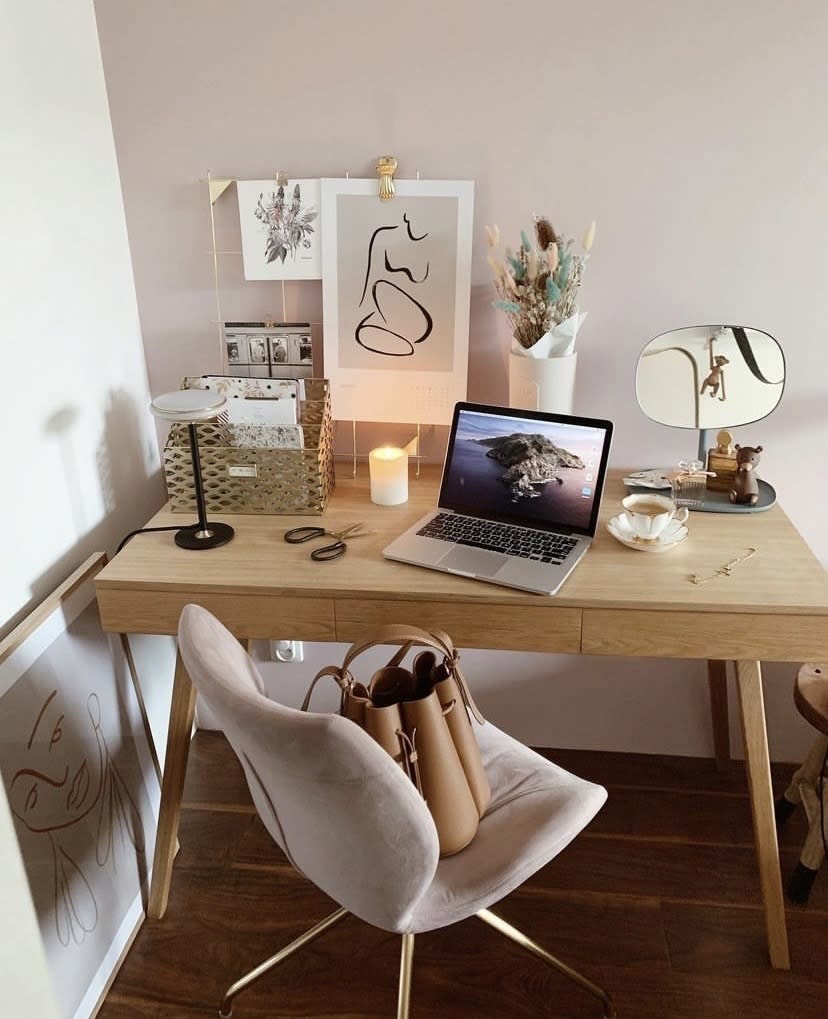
(502, 627)
(718, 635)
(255, 616)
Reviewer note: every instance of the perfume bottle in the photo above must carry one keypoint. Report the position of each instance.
(688, 484)
(721, 462)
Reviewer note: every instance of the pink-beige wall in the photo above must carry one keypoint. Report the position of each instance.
(693, 134)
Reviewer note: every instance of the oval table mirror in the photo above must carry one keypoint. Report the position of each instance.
(708, 378)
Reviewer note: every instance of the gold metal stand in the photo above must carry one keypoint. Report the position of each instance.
(226, 1007)
(520, 938)
(407, 963)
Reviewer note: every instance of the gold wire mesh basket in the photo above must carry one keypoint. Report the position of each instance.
(240, 477)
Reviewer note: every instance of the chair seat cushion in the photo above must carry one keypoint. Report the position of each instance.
(537, 809)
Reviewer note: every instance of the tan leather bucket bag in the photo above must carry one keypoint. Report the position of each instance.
(421, 717)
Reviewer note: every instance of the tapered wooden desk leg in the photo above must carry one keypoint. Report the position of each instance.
(717, 683)
(757, 759)
(172, 787)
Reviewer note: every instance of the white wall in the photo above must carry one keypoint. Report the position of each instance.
(24, 979)
(693, 134)
(80, 461)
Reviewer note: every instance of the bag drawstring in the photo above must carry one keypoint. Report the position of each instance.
(409, 755)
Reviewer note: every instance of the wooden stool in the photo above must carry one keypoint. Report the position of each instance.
(808, 786)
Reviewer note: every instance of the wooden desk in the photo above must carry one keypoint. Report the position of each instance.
(617, 602)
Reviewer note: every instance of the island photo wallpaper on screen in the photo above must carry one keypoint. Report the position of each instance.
(530, 471)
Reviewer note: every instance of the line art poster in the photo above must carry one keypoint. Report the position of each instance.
(396, 286)
(81, 783)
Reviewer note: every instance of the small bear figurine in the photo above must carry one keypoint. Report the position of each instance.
(746, 484)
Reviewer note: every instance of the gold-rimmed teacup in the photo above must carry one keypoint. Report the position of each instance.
(648, 516)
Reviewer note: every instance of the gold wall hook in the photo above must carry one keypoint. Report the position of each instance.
(386, 167)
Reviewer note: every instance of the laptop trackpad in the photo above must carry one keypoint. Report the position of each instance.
(479, 562)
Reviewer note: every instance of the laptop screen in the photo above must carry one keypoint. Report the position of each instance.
(526, 467)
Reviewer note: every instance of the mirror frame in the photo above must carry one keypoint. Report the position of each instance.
(698, 427)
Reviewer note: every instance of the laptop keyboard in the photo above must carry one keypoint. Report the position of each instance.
(540, 546)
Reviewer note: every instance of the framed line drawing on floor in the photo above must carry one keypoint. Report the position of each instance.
(82, 783)
(396, 287)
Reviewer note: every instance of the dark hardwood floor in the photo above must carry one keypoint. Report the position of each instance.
(657, 901)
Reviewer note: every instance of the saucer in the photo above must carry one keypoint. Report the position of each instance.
(674, 534)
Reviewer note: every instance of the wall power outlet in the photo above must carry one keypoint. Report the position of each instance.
(287, 651)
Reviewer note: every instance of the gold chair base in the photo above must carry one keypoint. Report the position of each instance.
(508, 931)
(226, 1007)
(407, 961)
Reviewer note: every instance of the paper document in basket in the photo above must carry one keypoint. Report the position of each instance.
(254, 401)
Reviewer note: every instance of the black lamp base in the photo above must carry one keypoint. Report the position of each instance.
(210, 537)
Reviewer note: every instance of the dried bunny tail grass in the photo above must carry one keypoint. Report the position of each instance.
(545, 233)
(493, 235)
(552, 257)
(497, 267)
(589, 237)
(532, 266)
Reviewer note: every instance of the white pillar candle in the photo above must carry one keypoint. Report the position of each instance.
(388, 468)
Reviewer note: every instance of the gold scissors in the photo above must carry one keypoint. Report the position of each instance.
(324, 554)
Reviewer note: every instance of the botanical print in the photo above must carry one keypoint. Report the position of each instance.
(280, 229)
(287, 225)
(84, 794)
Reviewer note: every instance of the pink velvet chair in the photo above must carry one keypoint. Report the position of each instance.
(350, 821)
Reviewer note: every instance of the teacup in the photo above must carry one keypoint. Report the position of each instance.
(648, 516)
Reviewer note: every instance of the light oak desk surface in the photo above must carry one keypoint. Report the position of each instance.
(617, 602)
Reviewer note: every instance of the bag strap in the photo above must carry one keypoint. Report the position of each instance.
(407, 637)
(410, 636)
(328, 670)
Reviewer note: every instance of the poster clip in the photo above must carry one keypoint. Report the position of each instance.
(281, 179)
(386, 167)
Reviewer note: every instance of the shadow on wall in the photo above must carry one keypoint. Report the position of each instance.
(488, 353)
(59, 427)
(131, 487)
(123, 454)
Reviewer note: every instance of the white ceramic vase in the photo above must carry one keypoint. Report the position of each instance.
(542, 383)
(542, 377)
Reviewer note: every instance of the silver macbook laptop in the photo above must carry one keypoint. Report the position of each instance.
(519, 498)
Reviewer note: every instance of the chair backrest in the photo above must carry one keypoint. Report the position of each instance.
(340, 808)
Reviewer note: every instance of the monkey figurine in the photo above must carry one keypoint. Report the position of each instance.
(715, 380)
